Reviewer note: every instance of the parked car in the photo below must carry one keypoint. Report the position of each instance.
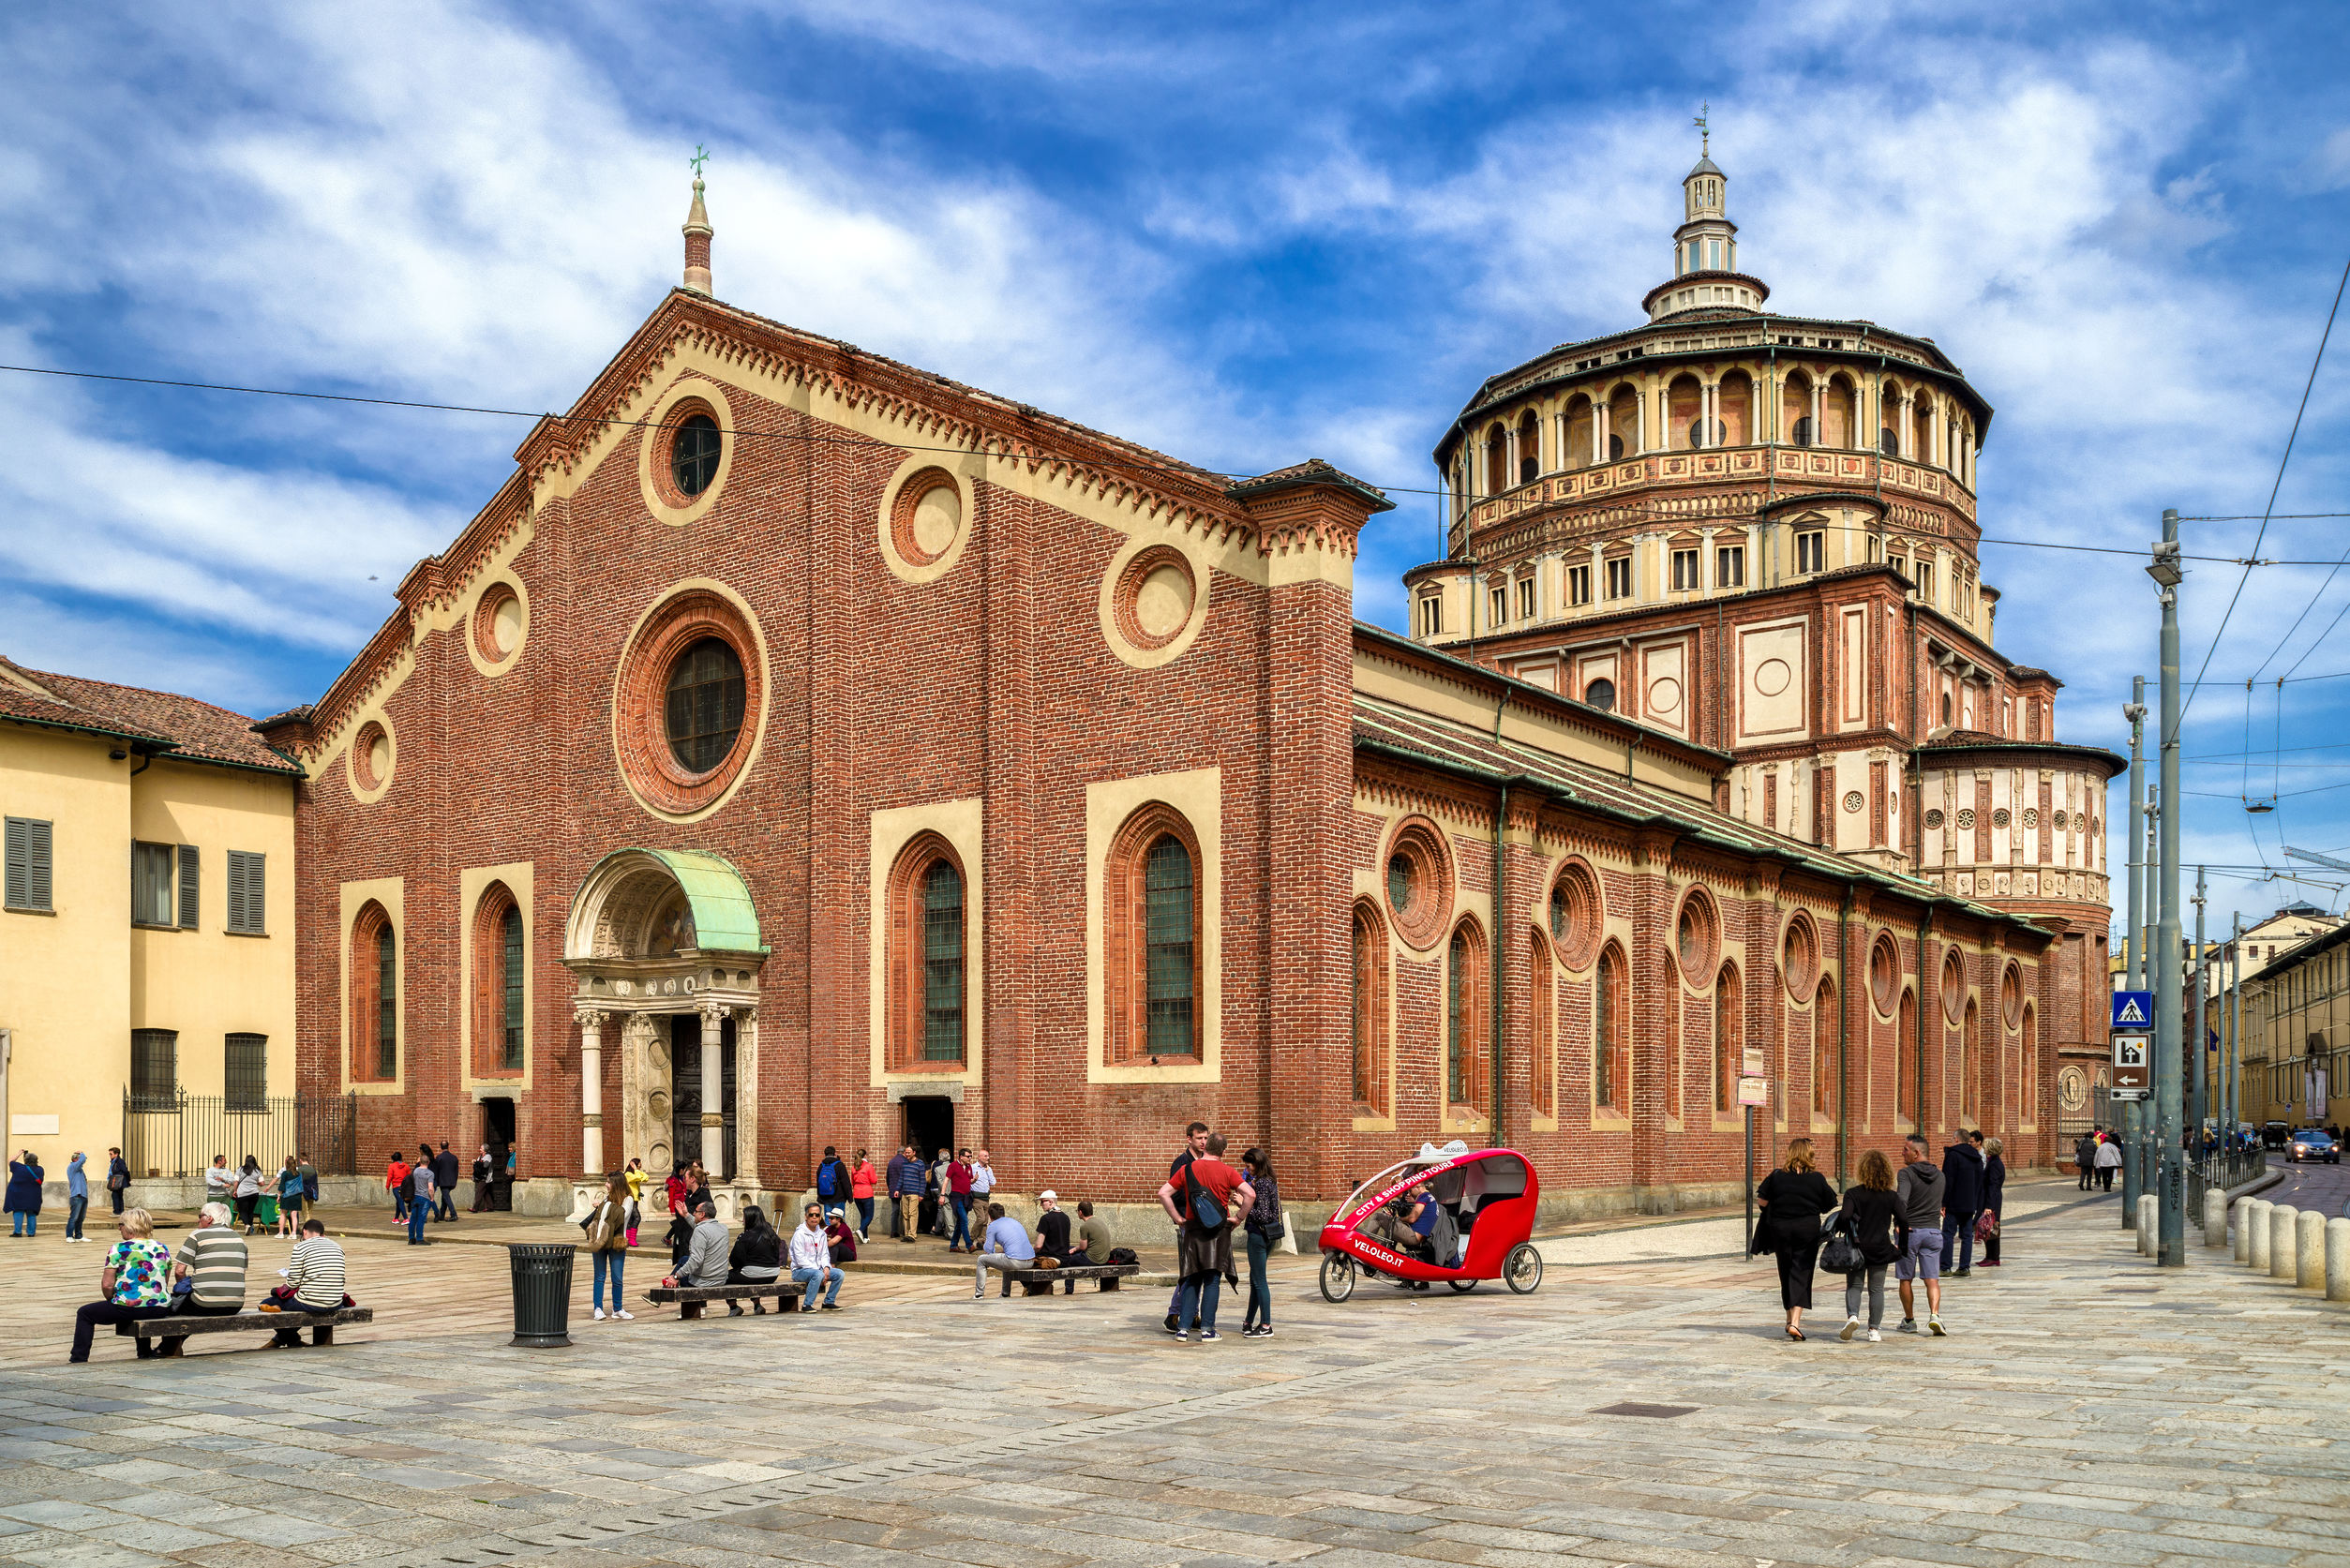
(2312, 1142)
(2274, 1134)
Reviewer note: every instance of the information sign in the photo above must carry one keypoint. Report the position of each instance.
(2134, 1069)
(1754, 1091)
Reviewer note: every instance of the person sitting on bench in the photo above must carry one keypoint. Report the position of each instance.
(316, 1275)
(706, 1250)
(812, 1262)
(210, 1266)
(135, 1283)
(757, 1258)
(1051, 1238)
(1006, 1245)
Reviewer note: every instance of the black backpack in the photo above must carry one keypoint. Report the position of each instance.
(1121, 1255)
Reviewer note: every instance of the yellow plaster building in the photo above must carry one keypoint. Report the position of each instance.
(146, 933)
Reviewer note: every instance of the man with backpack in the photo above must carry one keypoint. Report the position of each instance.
(1194, 1145)
(1217, 1194)
(831, 1184)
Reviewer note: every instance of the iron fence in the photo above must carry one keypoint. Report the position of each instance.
(176, 1135)
(2223, 1170)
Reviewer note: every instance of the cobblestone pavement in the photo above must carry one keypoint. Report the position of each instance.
(2086, 1408)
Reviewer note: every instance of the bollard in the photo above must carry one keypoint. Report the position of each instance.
(2308, 1250)
(2338, 1260)
(2254, 1217)
(2214, 1218)
(2244, 1230)
(2149, 1223)
(2281, 1242)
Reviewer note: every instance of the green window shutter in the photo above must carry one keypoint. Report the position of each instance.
(189, 881)
(37, 862)
(247, 913)
(19, 878)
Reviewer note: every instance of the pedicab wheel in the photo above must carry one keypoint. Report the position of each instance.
(1523, 1270)
(1337, 1277)
(1463, 1286)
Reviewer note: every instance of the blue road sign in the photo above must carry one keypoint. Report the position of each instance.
(2134, 1009)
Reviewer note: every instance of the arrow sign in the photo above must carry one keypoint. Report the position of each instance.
(2134, 1009)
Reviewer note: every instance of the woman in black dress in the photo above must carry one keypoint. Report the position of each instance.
(1793, 1198)
(1870, 1212)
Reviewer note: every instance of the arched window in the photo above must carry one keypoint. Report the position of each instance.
(1733, 407)
(375, 1006)
(1684, 400)
(1529, 447)
(499, 970)
(927, 960)
(1467, 1022)
(1969, 1064)
(1155, 950)
(1541, 1003)
(1906, 1063)
(1795, 409)
(1580, 415)
(1496, 460)
(1611, 1035)
(2028, 1078)
(1374, 1063)
(1729, 1039)
(1824, 1018)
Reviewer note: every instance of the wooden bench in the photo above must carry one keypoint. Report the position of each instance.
(173, 1330)
(1040, 1282)
(692, 1299)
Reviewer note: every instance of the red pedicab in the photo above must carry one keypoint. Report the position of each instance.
(1484, 1202)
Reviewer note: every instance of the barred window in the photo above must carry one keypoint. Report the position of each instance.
(942, 963)
(510, 934)
(154, 1068)
(244, 1072)
(705, 699)
(1167, 894)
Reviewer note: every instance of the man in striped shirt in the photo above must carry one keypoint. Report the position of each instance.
(316, 1272)
(213, 1261)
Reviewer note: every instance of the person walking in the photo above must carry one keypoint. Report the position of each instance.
(812, 1262)
(395, 1183)
(862, 1180)
(982, 1180)
(1994, 1198)
(757, 1258)
(76, 1195)
(1869, 1217)
(483, 1166)
(1918, 1200)
(904, 1178)
(23, 1201)
(1217, 1195)
(288, 1187)
(248, 1193)
(832, 1183)
(220, 1182)
(607, 1231)
(935, 1220)
(135, 1283)
(1962, 1200)
(309, 1180)
(2085, 1158)
(1792, 1199)
(1263, 1228)
(117, 1179)
(445, 1168)
(2108, 1161)
(636, 1177)
(959, 1198)
(419, 1199)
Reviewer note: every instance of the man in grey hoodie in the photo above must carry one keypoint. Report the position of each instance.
(1918, 1207)
(705, 1261)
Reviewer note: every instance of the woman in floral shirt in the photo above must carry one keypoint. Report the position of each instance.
(136, 1282)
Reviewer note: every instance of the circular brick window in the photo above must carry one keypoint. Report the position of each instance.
(1934, 818)
(1954, 986)
(371, 757)
(1884, 976)
(1577, 914)
(926, 519)
(1419, 882)
(500, 623)
(2059, 819)
(1854, 800)
(1697, 937)
(1965, 818)
(2031, 816)
(687, 452)
(2011, 994)
(688, 701)
(1798, 957)
(2000, 817)
(1156, 594)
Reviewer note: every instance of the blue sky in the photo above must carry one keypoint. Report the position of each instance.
(1243, 234)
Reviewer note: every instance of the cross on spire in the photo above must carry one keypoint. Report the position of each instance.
(701, 155)
(1705, 135)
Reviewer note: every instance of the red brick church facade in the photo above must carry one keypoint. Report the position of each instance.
(802, 749)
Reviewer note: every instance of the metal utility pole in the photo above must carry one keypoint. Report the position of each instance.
(2142, 1146)
(2232, 1060)
(2198, 1034)
(2169, 1172)
(2134, 935)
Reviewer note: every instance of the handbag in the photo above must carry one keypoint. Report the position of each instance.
(1838, 1254)
(1986, 1226)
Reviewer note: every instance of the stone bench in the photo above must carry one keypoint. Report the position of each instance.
(173, 1330)
(1040, 1282)
(692, 1299)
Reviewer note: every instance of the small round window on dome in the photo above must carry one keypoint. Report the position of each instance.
(1601, 694)
(1698, 435)
(703, 709)
(694, 453)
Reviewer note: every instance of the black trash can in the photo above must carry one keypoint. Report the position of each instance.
(542, 1293)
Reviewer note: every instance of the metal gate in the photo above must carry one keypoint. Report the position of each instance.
(177, 1135)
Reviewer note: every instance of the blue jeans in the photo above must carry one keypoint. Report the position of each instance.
(1195, 1301)
(418, 1212)
(1260, 1289)
(1959, 1228)
(811, 1278)
(76, 1206)
(864, 1217)
(961, 1203)
(25, 1223)
(612, 1263)
(399, 1205)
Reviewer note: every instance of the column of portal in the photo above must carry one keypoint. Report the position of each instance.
(590, 1090)
(713, 1089)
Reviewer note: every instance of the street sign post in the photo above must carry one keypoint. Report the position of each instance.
(2134, 1065)
(2133, 1010)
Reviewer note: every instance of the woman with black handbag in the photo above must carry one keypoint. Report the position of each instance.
(1264, 1228)
(1793, 1198)
(1866, 1225)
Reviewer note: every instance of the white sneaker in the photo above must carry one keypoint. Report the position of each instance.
(1935, 1324)
(1875, 1338)
(625, 1316)
(1852, 1327)
(598, 1314)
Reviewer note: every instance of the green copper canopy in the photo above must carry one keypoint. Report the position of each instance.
(725, 919)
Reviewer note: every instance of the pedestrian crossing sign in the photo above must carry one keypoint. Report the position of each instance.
(2134, 1009)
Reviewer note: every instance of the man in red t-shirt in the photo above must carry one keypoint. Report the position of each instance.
(1194, 1145)
(959, 1198)
(1204, 1250)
